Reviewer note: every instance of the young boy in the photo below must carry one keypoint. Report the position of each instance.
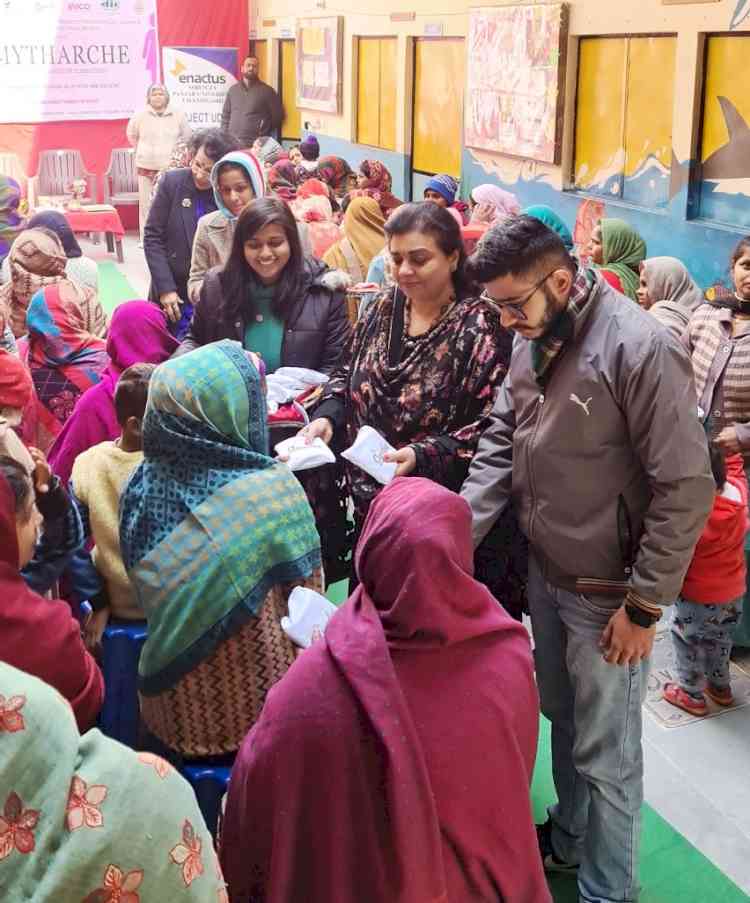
(98, 478)
(712, 594)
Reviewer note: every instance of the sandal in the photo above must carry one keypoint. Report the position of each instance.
(721, 697)
(678, 697)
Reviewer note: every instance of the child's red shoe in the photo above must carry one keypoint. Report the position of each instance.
(678, 697)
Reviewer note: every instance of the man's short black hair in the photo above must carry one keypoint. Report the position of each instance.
(131, 392)
(517, 246)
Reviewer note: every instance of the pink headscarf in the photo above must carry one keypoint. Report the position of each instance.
(493, 204)
(138, 334)
(420, 708)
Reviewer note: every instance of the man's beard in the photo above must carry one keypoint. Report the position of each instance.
(552, 310)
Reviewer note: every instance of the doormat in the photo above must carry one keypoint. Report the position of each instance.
(662, 672)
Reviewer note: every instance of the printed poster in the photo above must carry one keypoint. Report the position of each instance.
(198, 79)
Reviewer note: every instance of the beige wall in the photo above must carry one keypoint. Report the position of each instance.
(690, 21)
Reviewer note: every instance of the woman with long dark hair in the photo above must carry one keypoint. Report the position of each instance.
(286, 307)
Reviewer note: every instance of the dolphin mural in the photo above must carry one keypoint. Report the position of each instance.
(740, 14)
(732, 161)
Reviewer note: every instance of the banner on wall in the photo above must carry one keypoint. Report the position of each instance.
(198, 79)
(76, 59)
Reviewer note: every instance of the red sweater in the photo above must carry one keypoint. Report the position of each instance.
(718, 572)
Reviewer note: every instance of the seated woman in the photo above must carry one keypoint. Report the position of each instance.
(364, 238)
(138, 334)
(79, 268)
(64, 357)
(617, 250)
(374, 181)
(425, 363)
(667, 291)
(37, 634)
(237, 179)
(282, 180)
(337, 174)
(87, 819)
(214, 535)
(270, 297)
(550, 219)
(37, 260)
(313, 208)
(441, 189)
(268, 151)
(420, 712)
(11, 221)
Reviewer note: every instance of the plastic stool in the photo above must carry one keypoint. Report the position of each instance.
(121, 650)
(210, 783)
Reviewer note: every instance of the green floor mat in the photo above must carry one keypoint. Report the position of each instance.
(672, 870)
(114, 288)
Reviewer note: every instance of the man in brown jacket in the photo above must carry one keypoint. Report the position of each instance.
(595, 437)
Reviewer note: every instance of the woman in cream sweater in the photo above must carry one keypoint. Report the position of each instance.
(153, 133)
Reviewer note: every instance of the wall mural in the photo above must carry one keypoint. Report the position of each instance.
(741, 13)
(319, 49)
(515, 67)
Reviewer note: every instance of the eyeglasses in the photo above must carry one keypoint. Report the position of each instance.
(206, 170)
(516, 307)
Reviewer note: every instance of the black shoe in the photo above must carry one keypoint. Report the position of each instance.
(550, 862)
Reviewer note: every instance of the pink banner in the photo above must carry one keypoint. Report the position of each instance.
(76, 59)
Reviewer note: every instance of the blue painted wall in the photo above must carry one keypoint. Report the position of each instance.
(670, 227)
(704, 247)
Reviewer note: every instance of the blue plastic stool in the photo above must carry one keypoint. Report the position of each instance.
(210, 783)
(121, 650)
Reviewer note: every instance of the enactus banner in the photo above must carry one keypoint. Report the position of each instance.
(76, 59)
(198, 79)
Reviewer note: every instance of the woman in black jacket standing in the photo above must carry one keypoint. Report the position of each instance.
(182, 197)
(289, 308)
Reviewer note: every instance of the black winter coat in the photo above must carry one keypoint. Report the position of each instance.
(315, 331)
(170, 230)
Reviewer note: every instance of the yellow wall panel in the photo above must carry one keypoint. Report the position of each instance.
(388, 65)
(292, 124)
(260, 49)
(599, 109)
(650, 101)
(438, 105)
(368, 92)
(726, 68)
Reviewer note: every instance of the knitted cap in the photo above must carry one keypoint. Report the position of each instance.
(310, 148)
(446, 186)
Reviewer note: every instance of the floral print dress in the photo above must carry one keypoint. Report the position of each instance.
(432, 392)
(86, 820)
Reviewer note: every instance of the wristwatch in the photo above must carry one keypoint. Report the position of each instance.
(639, 616)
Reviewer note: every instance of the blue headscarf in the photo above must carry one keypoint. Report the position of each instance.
(254, 172)
(550, 219)
(445, 186)
(56, 222)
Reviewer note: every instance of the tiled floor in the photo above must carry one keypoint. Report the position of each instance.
(697, 776)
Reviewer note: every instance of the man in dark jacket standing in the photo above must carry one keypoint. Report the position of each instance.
(252, 108)
(596, 438)
(183, 196)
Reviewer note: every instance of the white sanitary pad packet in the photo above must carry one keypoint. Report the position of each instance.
(367, 453)
(309, 614)
(304, 453)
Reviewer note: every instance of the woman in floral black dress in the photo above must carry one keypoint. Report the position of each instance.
(424, 364)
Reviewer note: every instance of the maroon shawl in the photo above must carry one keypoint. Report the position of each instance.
(138, 334)
(39, 635)
(393, 760)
